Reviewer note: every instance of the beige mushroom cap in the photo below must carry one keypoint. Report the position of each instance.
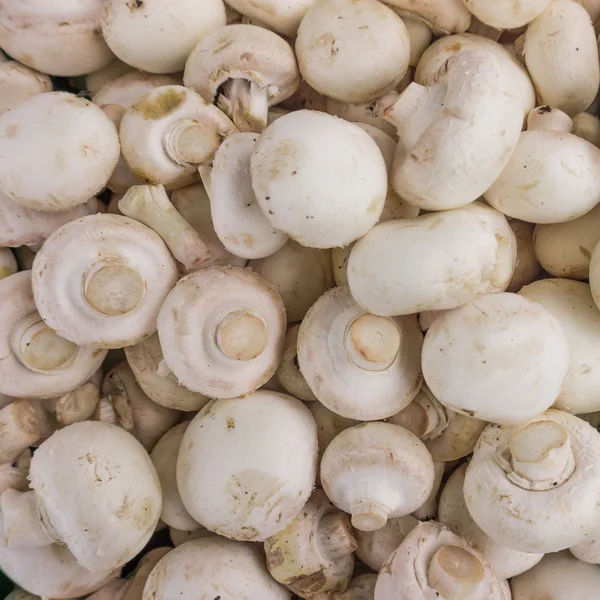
(288, 373)
(443, 16)
(505, 14)
(18, 83)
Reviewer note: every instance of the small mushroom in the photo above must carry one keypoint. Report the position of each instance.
(339, 49)
(240, 323)
(167, 134)
(75, 406)
(247, 466)
(18, 83)
(314, 554)
(218, 567)
(534, 488)
(244, 69)
(362, 587)
(8, 263)
(288, 168)
(419, 35)
(357, 364)
(511, 351)
(587, 127)
(112, 71)
(527, 267)
(443, 16)
(80, 149)
(21, 426)
(505, 14)
(288, 373)
(377, 471)
(101, 280)
(153, 37)
(433, 562)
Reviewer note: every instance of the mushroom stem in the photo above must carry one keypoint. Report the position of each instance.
(455, 573)
(191, 143)
(78, 405)
(241, 335)
(20, 427)
(372, 342)
(151, 206)
(246, 104)
(368, 515)
(335, 536)
(546, 118)
(22, 526)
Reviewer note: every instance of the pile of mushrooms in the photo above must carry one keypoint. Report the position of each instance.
(300, 300)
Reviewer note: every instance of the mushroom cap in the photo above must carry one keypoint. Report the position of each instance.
(529, 520)
(240, 323)
(239, 222)
(419, 35)
(113, 70)
(376, 471)
(572, 304)
(320, 179)
(443, 16)
(44, 368)
(359, 365)
(446, 275)
(155, 36)
(589, 550)
(527, 267)
(124, 269)
(339, 49)
(116, 499)
(511, 351)
(505, 14)
(18, 83)
(247, 466)
(288, 373)
(58, 38)
(218, 567)
(80, 149)
(564, 67)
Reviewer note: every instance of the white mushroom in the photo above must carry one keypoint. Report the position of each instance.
(357, 364)
(179, 537)
(499, 357)
(362, 587)
(419, 35)
(101, 280)
(113, 70)
(314, 554)
(14, 476)
(589, 550)
(69, 144)
(21, 426)
(246, 467)
(156, 37)
(429, 509)
(8, 263)
(376, 471)
(534, 488)
(505, 14)
(75, 406)
(527, 267)
(288, 373)
(319, 179)
(18, 83)
(443, 16)
(587, 126)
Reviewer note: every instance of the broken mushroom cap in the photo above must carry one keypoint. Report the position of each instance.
(288, 373)
(75, 406)
(314, 554)
(244, 69)
(151, 38)
(548, 469)
(320, 179)
(339, 49)
(446, 275)
(453, 513)
(434, 562)
(240, 320)
(377, 471)
(8, 263)
(171, 131)
(488, 342)
(18, 83)
(37, 361)
(504, 14)
(269, 484)
(238, 220)
(220, 568)
(70, 144)
(527, 267)
(100, 280)
(443, 16)
(357, 364)
(22, 424)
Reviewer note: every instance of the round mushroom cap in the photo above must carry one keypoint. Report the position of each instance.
(247, 466)
(527, 267)
(218, 567)
(100, 280)
(357, 364)
(68, 142)
(18, 83)
(318, 178)
(114, 499)
(505, 14)
(241, 323)
(499, 358)
(157, 36)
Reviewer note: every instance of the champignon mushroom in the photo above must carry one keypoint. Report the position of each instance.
(527, 267)
(362, 587)
(447, 274)
(505, 14)
(288, 373)
(357, 364)
(429, 509)
(75, 406)
(433, 562)
(589, 550)
(96, 80)
(18, 83)
(68, 142)
(314, 554)
(171, 131)
(587, 126)
(158, 37)
(443, 16)
(320, 179)
(419, 36)
(221, 568)
(21, 426)
(8, 263)
(101, 280)
(179, 537)
(246, 467)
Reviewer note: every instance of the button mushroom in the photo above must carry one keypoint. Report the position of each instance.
(18, 83)
(443, 16)
(527, 267)
(288, 373)
(505, 14)
(362, 587)
(113, 70)
(179, 537)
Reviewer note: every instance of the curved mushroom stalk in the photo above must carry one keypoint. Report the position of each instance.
(244, 69)
(8, 263)
(547, 469)
(377, 471)
(505, 14)
(179, 537)
(242, 323)
(443, 17)
(14, 475)
(76, 406)
(171, 131)
(111, 72)
(429, 509)
(101, 280)
(362, 587)
(18, 83)
(357, 364)
(21, 523)
(314, 554)
(134, 588)
(527, 267)
(288, 373)
(587, 127)
(432, 561)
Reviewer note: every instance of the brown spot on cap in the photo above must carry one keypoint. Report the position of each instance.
(160, 105)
